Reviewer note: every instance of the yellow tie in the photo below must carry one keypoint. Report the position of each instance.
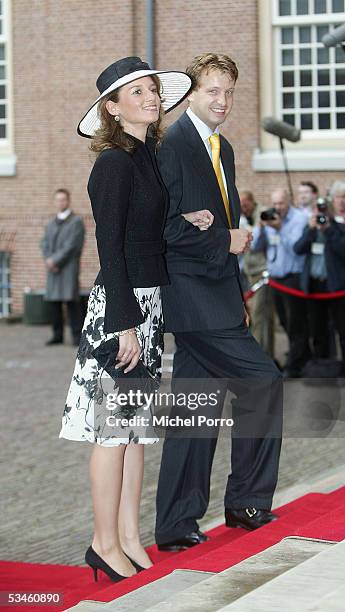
(214, 141)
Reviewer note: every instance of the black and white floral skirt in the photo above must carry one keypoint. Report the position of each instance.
(79, 421)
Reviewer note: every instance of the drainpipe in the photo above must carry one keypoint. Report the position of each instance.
(150, 33)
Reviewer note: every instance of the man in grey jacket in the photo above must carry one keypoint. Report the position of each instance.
(61, 247)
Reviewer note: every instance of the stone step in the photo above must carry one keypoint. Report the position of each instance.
(153, 593)
(227, 586)
(89, 605)
(333, 602)
(148, 595)
(308, 586)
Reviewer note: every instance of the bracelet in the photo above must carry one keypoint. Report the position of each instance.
(126, 331)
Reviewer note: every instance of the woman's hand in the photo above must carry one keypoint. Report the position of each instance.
(129, 351)
(202, 219)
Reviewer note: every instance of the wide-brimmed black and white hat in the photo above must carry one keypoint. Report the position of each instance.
(175, 87)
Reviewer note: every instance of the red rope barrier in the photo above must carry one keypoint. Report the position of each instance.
(248, 295)
(331, 295)
(307, 296)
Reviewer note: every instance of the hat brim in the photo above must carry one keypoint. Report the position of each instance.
(175, 87)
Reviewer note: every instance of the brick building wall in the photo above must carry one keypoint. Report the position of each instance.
(59, 48)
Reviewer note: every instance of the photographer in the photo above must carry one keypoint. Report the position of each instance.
(323, 243)
(252, 266)
(307, 194)
(281, 227)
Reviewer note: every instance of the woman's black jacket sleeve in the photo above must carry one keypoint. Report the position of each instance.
(109, 189)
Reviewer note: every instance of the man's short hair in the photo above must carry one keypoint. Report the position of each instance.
(211, 61)
(247, 194)
(311, 186)
(65, 191)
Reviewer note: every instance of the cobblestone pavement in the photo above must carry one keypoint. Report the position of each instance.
(46, 508)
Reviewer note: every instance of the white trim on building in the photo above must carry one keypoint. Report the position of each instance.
(299, 161)
(7, 156)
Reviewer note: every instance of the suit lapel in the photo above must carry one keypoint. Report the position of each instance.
(203, 164)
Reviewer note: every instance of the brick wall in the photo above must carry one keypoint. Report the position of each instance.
(59, 48)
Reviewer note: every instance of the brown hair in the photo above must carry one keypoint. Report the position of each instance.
(311, 186)
(211, 61)
(63, 190)
(247, 194)
(110, 135)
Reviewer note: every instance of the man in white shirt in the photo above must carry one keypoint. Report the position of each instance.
(307, 195)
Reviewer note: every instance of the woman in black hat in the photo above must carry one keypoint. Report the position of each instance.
(129, 204)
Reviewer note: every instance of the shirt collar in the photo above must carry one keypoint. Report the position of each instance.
(64, 214)
(204, 131)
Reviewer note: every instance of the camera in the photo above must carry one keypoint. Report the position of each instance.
(269, 215)
(321, 219)
(322, 207)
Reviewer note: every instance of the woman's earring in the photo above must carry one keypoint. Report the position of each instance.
(117, 117)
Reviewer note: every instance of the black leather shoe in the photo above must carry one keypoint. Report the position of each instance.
(54, 341)
(187, 541)
(248, 518)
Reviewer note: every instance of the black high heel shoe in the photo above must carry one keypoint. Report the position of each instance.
(97, 563)
(135, 564)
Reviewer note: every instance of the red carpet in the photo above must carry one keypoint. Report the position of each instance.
(314, 515)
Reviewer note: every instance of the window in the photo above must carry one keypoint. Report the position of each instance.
(5, 287)
(7, 156)
(310, 79)
(4, 134)
(301, 82)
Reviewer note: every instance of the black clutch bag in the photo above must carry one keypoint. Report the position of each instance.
(138, 379)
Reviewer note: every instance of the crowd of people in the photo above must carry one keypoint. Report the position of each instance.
(301, 246)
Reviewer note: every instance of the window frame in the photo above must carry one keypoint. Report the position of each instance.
(318, 150)
(5, 284)
(311, 19)
(7, 156)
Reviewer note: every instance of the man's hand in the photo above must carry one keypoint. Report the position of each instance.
(202, 219)
(51, 265)
(129, 352)
(275, 223)
(313, 222)
(240, 241)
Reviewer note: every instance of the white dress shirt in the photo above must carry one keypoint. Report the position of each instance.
(205, 132)
(63, 214)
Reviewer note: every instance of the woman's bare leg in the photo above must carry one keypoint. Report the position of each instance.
(106, 469)
(133, 471)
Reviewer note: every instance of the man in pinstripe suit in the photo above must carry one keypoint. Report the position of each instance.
(204, 308)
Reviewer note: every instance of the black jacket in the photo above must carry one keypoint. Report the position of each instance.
(204, 291)
(129, 204)
(334, 255)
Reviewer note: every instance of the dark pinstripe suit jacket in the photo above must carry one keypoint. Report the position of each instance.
(204, 291)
